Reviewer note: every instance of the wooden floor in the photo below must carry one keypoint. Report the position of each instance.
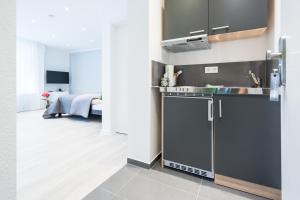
(66, 158)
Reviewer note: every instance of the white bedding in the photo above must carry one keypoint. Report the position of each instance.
(97, 107)
(96, 101)
(96, 104)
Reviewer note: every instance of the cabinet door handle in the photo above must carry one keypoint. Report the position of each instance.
(197, 32)
(210, 111)
(220, 28)
(220, 109)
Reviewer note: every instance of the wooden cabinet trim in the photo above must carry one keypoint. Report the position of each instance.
(245, 186)
(237, 35)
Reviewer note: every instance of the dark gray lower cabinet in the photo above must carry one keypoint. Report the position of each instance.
(248, 139)
(188, 137)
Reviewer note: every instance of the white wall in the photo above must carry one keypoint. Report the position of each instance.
(139, 146)
(160, 55)
(290, 101)
(57, 60)
(85, 72)
(120, 79)
(145, 33)
(8, 99)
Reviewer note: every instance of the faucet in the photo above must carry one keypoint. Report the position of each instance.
(255, 79)
(178, 73)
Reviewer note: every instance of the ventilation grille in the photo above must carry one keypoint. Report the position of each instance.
(188, 169)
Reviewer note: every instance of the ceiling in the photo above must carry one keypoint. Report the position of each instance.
(68, 24)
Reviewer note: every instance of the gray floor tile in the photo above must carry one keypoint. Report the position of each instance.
(212, 191)
(141, 188)
(101, 194)
(121, 178)
(169, 177)
(245, 196)
(134, 183)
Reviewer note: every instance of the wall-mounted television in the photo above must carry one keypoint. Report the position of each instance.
(57, 77)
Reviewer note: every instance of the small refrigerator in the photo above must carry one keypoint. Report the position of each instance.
(188, 137)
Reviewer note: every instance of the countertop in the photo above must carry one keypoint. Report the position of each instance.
(216, 90)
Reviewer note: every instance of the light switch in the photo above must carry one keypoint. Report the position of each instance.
(212, 70)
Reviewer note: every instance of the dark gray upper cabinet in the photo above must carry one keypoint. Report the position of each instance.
(183, 17)
(237, 15)
(248, 139)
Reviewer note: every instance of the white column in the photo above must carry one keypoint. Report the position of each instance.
(106, 79)
(139, 87)
(7, 100)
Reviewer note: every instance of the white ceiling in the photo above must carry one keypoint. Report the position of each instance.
(76, 24)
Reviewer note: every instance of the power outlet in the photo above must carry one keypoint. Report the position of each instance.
(212, 70)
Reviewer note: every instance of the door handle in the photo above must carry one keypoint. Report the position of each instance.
(220, 109)
(197, 32)
(210, 111)
(220, 28)
(278, 76)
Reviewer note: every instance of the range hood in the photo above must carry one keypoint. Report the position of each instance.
(192, 43)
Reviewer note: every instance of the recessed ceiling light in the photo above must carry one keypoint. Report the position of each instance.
(53, 36)
(33, 21)
(83, 29)
(67, 9)
(92, 41)
(68, 45)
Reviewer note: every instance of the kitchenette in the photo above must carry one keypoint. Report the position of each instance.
(220, 120)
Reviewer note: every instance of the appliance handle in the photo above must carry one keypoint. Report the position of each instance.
(197, 32)
(210, 111)
(220, 109)
(220, 28)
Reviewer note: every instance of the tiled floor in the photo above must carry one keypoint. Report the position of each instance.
(134, 183)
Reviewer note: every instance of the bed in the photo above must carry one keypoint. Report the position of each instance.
(80, 105)
(96, 107)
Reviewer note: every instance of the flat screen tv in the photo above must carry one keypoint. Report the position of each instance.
(53, 77)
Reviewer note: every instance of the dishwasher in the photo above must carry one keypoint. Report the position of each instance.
(188, 136)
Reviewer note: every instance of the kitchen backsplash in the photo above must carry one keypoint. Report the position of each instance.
(229, 74)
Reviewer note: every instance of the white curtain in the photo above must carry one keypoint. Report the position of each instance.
(30, 74)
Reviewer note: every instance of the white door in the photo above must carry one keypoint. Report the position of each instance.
(290, 27)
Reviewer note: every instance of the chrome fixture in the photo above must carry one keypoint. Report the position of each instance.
(275, 85)
(210, 110)
(220, 28)
(278, 75)
(197, 32)
(255, 79)
(220, 109)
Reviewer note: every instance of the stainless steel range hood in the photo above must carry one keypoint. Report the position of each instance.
(192, 43)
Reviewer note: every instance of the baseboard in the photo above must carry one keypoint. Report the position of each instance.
(259, 190)
(158, 156)
(142, 164)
